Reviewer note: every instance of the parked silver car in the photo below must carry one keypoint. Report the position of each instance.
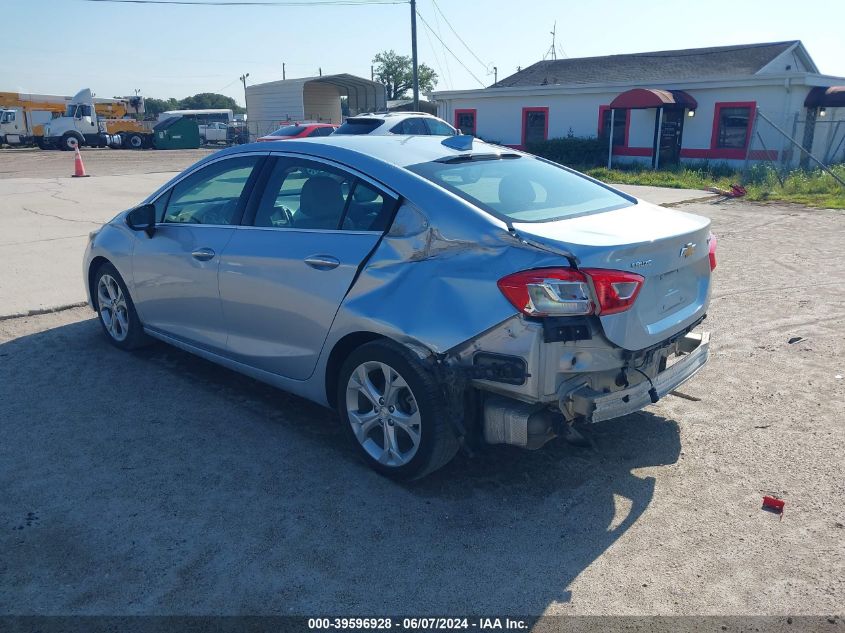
(436, 292)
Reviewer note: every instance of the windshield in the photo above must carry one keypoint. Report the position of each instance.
(78, 110)
(520, 189)
(288, 130)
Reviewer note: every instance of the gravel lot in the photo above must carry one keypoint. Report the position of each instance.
(158, 483)
(33, 162)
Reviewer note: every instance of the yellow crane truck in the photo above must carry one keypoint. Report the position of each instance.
(23, 118)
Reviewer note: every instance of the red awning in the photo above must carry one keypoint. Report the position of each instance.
(639, 98)
(820, 97)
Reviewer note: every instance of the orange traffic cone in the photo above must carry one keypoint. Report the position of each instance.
(78, 167)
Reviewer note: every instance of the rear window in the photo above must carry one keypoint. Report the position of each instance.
(288, 130)
(359, 126)
(521, 189)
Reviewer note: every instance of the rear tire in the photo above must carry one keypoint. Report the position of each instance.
(116, 311)
(135, 141)
(394, 411)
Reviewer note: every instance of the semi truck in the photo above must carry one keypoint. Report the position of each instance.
(23, 115)
(104, 123)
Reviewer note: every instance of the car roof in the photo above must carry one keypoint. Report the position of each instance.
(392, 115)
(395, 149)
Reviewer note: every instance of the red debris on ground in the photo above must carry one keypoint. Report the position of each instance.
(773, 504)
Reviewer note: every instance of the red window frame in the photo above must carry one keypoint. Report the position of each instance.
(473, 112)
(605, 108)
(730, 152)
(525, 112)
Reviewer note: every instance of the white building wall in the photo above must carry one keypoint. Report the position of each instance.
(499, 117)
(322, 102)
(269, 104)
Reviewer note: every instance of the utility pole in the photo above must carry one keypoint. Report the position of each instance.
(320, 70)
(243, 79)
(246, 105)
(283, 71)
(414, 55)
(372, 73)
(495, 75)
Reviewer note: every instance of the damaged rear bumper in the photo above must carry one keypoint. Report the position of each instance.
(596, 406)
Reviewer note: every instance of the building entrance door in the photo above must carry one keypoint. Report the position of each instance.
(670, 132)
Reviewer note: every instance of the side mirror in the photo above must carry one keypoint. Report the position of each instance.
(143, 218)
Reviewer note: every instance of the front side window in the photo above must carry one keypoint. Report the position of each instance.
(733, 127)
(520, 189)
(436, 127)
(212, 195)
(302, 194)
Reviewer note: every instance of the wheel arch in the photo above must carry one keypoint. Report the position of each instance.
(93, 267)
(340, 352)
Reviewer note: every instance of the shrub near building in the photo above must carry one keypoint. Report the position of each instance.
(572, 151)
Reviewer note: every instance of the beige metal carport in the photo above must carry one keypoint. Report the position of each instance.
(310, 99)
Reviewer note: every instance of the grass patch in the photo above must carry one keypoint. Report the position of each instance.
(814, 188)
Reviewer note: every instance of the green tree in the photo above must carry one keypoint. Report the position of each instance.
(210, 101)
(153, 107)
(397, 75)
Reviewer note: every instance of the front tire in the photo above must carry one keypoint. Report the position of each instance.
(116, 311)
(394, 411)
(70, 142)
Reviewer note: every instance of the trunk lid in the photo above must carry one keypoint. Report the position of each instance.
(668, 248)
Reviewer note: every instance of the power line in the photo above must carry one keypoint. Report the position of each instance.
(426, 24)
(254, 3)
(436, 57)
(445, 57)
(460, 39)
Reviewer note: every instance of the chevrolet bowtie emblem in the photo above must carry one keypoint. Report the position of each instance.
(687, 250)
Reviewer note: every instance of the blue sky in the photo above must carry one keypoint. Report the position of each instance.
(60, 46)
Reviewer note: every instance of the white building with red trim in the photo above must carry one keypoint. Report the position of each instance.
(667, 106)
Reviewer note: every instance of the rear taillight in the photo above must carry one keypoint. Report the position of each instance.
(712, 243)
(566, 292)
(548, 292)
(616, 291)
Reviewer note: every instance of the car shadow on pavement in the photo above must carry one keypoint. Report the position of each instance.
(157, 482)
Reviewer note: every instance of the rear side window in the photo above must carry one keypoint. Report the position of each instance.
(359, 126)
(302, 194)
(521, 189)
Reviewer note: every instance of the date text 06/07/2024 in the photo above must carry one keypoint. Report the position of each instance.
(421, 623)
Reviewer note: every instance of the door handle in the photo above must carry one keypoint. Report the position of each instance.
(322, 262)
(203, 254)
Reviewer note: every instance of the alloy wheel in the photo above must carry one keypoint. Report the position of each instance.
(383, 413)
(113, 309)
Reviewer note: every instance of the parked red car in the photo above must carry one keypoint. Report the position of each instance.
(300, 130)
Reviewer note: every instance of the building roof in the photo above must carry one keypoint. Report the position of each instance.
(695, 63)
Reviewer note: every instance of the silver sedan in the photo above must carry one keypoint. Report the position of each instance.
(437, 292)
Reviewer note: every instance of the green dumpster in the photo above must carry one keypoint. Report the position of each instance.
(176, 133)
